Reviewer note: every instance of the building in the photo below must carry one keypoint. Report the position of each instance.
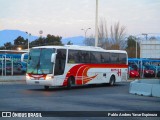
(150, 49)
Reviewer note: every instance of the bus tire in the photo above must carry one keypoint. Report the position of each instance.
(46, 87)
(112, 80)
(70, 82)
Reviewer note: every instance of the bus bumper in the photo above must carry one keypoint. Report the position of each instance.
(40, 82)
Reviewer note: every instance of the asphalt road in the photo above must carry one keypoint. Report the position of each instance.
(22, 97)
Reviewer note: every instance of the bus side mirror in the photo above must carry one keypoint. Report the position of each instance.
(29, 58)
(53, 57)
(22, 56)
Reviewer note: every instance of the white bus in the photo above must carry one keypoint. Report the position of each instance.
(72, 65)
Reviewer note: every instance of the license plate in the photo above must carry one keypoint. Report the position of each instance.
(36, 82)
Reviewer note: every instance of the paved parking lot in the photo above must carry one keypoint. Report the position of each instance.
(22, 97)
(98, 97)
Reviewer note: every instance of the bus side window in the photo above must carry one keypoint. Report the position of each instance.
(60, 62)
(106, 57)
(71, 56)
(74, 56)
(122, 58)
(85, 57)
(93, 57)
(102, 58)
(114, 58)
(78, 57)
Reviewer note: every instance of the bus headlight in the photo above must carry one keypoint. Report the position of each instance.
(49, 77)
(27, 76)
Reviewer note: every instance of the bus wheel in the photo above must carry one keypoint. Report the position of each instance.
(70, 82)
(46, 87)
(112, 81)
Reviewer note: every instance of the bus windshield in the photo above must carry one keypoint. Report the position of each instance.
(39, 61)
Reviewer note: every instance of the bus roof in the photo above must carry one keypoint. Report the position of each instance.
(87, 48)
(13, 51)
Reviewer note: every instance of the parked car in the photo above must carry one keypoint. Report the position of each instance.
(156, 69)
(133, 73)
(22, 66)
(158, 73)
(133, 65)
(148, 72)
(0, 68)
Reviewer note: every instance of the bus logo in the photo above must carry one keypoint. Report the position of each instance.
(119, 72)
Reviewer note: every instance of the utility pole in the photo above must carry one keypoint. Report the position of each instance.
(28, 36)
(96, 25)
(136, 48)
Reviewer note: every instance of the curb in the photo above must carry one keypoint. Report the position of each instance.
(12, 80)
(145, 87)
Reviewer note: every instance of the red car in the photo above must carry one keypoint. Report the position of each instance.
(149, 73)
(133, 73)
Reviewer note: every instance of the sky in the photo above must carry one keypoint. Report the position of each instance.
(66, 18)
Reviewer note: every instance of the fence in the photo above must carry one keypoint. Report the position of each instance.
(144, 68)
(11, 65)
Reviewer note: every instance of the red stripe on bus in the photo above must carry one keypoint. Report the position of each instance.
(82, 69)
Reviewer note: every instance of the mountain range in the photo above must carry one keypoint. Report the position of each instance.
(11, 35)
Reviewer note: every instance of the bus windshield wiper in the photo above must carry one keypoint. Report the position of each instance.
(37, 65)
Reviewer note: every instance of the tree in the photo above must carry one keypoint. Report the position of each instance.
(38, 42)
(49, 40)
(117, 35)
(41, 41)
(131, 47)
(90, 41)
(20, 42)
(103, 39)
(53, 40)
(69, 43)
(116, 40)
(8, 46)
(2, 48)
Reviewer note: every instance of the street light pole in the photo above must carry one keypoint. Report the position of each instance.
(96, 25)
(137, 41)
(85, 32)
(136, 47)
(28, 36)
(145, 34)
